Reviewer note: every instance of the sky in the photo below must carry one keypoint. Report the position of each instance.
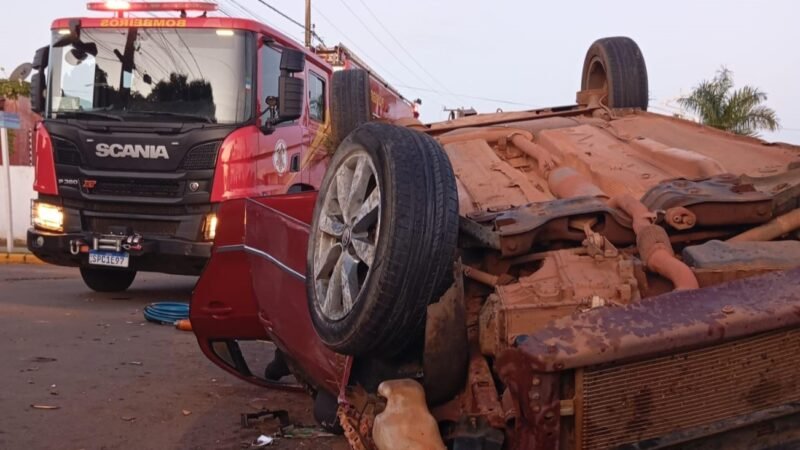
(513, 54)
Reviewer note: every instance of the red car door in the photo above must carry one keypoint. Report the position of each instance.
(276, 240)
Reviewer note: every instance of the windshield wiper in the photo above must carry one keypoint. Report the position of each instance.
(95, 114)
(197, 117)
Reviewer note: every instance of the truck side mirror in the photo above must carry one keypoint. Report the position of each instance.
(292, 61)
(290, 89)
(41, 58)
(290, 92)
(288, 106)
(38, 86)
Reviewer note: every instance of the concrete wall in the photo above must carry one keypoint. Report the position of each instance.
(21, 194)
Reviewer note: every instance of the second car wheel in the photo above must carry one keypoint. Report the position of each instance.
(383, 240)
(616, 65)
(350, 102)
(107, 280)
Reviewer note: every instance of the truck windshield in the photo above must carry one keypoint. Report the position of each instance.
(153, 74)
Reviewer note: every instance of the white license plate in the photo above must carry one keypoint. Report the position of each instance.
(113, 259)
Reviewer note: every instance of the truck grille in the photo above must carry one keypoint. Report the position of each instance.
(629, 403)
(203, 156)
(138, 188)
(143, 227)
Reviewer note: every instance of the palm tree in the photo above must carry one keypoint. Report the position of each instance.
(739, 111)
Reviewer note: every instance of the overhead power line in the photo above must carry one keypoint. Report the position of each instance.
(474, 97)
(250, 13)
(351, 43)
(404, 49)
(290, 19)
(388, 50)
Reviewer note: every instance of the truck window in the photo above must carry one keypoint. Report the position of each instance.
(143, 73)
(316, 97)
(270, 71)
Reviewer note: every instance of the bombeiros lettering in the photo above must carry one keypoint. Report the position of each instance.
(148, 151)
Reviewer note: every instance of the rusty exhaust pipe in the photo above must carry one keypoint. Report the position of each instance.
(654, 245)
(774, 228)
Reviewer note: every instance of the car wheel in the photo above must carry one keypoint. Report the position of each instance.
(107, 280)
(350, 102)
(383, 240)
(616, 64)
(326, 408)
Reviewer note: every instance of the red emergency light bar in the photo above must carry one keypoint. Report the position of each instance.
(121, 6)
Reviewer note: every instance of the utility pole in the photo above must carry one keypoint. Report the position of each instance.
(308, 23)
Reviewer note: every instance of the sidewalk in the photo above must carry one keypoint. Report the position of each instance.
(20, 256)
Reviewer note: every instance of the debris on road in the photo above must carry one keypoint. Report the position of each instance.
(185, 412)
(262, 441)
(303, 432)
(34, 406)
(183, 325)
(42, 359)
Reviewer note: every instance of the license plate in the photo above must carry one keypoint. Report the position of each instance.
(113, 259)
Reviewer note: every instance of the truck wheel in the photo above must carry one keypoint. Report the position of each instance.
(383, 240)
(350, 102)
(616, 64)
(107, 280)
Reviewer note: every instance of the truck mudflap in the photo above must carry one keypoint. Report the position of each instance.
(667, 370)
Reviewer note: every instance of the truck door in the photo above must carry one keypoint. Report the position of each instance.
(284, 144)
(316, 125)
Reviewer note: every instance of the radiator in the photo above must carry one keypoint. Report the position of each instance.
(628, 403)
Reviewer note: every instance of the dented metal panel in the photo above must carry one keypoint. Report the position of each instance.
(667, 323)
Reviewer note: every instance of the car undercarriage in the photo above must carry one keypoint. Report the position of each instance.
(584, 277)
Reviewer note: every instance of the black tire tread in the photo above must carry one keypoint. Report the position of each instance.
(415, 266)
(350, 102)
(107, 280)
(626, 71)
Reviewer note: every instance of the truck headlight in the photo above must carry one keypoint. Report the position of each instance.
(47, 216)
(210, 227)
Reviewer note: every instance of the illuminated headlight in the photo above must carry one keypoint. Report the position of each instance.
(47, 216)
(210, 227)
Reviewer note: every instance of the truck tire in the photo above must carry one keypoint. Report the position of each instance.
(383, 240)
(350, 102)
(107, 280)
(617, 64)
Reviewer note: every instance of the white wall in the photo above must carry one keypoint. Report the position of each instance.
(21, 194)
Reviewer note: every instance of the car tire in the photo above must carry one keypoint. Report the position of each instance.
(326, 412)
(399, 240)
(350, 102)
(107, 280)
(617, 64)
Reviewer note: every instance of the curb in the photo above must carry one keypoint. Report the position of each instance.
(19, 258)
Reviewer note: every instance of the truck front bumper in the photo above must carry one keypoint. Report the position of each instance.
(157, 254)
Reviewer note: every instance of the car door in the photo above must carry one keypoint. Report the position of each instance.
(276, 236)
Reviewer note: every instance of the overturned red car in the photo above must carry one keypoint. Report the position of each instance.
(590, 276)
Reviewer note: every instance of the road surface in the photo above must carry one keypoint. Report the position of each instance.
(113, 380)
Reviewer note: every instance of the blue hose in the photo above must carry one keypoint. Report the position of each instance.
(166, 313)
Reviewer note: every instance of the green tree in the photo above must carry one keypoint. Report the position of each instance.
(721, 106)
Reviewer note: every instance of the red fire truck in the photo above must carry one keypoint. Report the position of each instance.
(150, 122)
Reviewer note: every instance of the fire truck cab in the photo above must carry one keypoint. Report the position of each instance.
(150, 122)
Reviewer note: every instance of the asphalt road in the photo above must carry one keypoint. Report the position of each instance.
(115, 381)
